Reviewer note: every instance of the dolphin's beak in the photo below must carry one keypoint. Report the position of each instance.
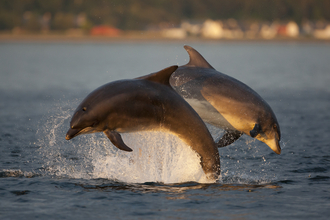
(274, 145)
(72, 133)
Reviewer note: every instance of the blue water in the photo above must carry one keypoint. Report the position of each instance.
(44, 176)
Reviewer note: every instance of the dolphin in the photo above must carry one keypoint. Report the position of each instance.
(147, 103)
(225, 102)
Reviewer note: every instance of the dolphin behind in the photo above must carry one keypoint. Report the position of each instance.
(144, 104)
(225, 102)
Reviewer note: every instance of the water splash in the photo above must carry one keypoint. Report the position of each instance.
(156, 156)
(16, 173)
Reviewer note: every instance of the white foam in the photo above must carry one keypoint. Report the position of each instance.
(156, 156)
(16, 173)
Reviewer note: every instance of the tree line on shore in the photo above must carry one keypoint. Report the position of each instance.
(36, 15)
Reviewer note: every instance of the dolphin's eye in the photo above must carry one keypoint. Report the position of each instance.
(84, 109)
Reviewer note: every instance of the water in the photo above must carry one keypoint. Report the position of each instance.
(44, 176)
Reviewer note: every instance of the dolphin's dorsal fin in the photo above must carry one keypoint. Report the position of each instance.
(162, 76)
(196, 59)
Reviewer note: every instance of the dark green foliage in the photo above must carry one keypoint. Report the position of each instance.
(139, 14)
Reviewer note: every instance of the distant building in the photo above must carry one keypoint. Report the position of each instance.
(268, 31)
(232, 29)
(252, 30)
(307, 28)
(174, 33)
(193, 29)
(212, 29)
(104, 30)
(290, 29)
(322, 33)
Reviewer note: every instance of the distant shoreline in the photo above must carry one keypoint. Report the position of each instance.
(139, 38)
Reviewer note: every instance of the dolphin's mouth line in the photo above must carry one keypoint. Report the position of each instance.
(75, 132)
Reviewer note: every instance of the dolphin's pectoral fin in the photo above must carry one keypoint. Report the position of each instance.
(255, 131)
(228, 138)
(116, 139)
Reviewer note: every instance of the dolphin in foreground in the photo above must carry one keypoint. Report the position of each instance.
(225, 102)
(147, 103)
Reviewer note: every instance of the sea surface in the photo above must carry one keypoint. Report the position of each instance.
(44, 176)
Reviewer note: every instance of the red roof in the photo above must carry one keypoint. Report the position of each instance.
(104, 30)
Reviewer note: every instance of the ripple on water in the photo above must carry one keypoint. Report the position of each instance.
(319, 178)
(311, 170)
(20, 192)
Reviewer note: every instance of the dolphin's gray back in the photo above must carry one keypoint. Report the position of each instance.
(225, 102)
(205, 88)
